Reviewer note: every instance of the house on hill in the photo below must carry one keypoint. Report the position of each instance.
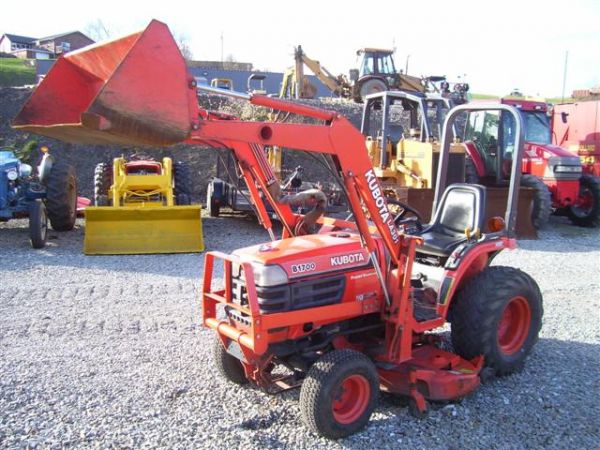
(64, 42)
(49, 47)
(12, 42)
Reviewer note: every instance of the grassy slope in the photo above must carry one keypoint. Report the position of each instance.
(16, 72)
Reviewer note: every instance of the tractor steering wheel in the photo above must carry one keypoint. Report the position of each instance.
(408, 219)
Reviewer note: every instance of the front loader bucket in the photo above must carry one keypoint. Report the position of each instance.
(134, 90)
(136, 230)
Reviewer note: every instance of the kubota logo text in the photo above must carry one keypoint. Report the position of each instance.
(384, 212)
(347, 259)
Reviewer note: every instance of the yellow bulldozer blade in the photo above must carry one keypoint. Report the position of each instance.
(138, 230)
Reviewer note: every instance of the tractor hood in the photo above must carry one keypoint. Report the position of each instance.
(551, 162)
(308, 255)
(533, 150)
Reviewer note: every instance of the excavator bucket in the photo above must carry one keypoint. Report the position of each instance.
(138, 230)
(116, 93)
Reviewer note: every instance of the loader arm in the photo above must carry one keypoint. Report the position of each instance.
(337, 137)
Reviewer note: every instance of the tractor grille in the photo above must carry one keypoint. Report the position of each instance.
(298, 295)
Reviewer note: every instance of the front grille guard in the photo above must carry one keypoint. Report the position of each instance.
(252, 333)
(249, 335)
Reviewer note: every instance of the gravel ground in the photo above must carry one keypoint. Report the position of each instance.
(108, 352)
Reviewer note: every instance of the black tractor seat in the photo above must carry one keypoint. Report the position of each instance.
(461, 208)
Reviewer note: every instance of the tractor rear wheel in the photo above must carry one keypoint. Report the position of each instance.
(339, 393)
(102, 183)
(61, 197)
(38, 224)
(498, 314)
(228, 365)
(371, 86)
(183, 183)
(542, 200)
(586, 213)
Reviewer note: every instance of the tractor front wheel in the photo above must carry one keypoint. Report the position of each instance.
(586, 212)
(498, 314)
(542, 200)
(102, 183)
(38, 224)
(61, 197)
(228, 365)
(339, 393)
(183, 183)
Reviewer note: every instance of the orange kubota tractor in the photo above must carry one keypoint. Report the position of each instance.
(343, 309)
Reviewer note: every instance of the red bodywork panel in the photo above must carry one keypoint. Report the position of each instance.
(580, 133)
(432, 373)
(526, 105)
(314, 254)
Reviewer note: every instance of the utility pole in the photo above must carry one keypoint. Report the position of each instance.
(565, 76)
(222, 59)
(406, 67)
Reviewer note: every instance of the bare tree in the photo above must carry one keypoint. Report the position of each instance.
(97, 31)
(184, 47)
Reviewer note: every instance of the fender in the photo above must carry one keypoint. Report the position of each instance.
(465, 262)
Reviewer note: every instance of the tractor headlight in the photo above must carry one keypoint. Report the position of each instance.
(567, 169)
(25, 170)
(12, 175)
(270, 275)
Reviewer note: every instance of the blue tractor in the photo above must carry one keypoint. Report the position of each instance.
(48, 194)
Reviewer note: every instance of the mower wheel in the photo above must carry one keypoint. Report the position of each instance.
(339, 393)
(183, 183)
(61, 197)
(542, 200)
(38, 224)
(102, 183)
(498, 314)
(587, 212)
(228, 365)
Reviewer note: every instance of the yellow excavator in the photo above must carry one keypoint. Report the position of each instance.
(376, 73)
(142, 206)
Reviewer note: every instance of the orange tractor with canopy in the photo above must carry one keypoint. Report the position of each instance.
(341, 308)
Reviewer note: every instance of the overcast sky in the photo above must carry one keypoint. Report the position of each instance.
(495, 46)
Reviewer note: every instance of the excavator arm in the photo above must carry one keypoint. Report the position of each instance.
(333, 83)
(136, 91)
